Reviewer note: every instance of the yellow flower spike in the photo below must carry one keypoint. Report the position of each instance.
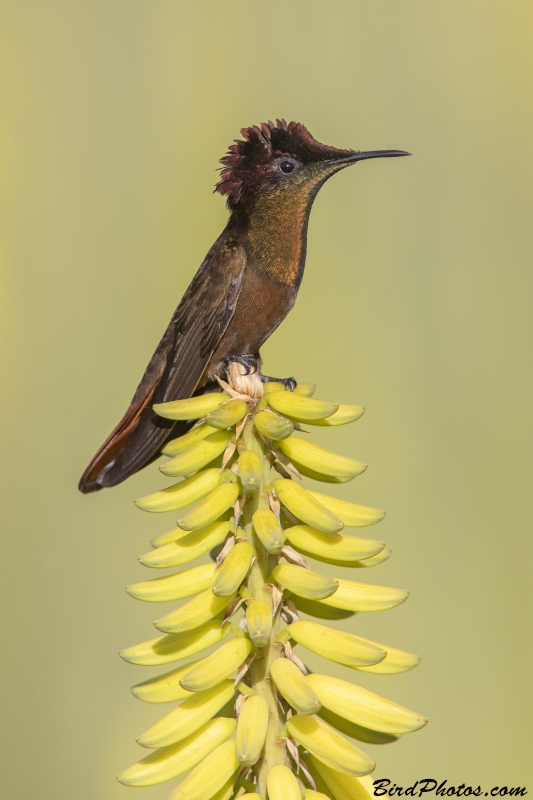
(303, 505)
(259, 622)
(212, 779)
(196, 612)
(304, 582)
(198, 455)
(251, 730)
(169, 762)
(253, 524)
(250, 470)
(187, 718)
(332, 547)
(364, 707)
(329, 746)
(282, 785)
(218, 666)
(294, 686)
(182, 494)
(192, 407)
(228, 414)
(189, 546)
(174, 587)
(272, 426)
(301, 407)
(307, 454)
(166, 649)
(210, 508)
(267, 527)
(233, 570)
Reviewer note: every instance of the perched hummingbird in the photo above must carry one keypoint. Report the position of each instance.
(245, 287)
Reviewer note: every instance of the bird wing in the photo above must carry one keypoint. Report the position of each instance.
(176, 367)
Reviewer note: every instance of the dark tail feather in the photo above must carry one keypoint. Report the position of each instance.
(115, 462)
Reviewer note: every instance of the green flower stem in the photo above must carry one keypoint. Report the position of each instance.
(274, 752)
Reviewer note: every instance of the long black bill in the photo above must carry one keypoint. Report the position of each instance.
(362, 156)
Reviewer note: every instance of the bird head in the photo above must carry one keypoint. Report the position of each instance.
(279, 158)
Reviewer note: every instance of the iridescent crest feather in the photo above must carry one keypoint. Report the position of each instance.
(248, 160)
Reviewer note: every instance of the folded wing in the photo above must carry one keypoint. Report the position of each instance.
(176, 367)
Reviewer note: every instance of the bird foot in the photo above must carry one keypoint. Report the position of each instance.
(251, 363)
(248, 361)
(289, 383)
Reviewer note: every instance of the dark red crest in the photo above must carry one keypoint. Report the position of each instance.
(248, 160)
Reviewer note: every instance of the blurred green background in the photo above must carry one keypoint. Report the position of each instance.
(416, 303)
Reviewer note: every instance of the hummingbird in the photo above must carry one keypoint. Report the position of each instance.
(244, 288)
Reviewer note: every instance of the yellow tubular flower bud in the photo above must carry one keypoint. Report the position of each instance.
(218, 666)
(259, 622)
(332, 547)
(210, 508)
(310, 455)
(169, 762)
(310, 794)
(294, 686)
(210, 776)
(181, 443)
(282, 785)
(344, 648)
(166, 649)
(251, 730)
(192, 407)
(328, 745)
(351, 514)
(250, 468)
(182, 494)
(341, 785)
(272, 426)
(196, 612)
(198, 455)
(187, 718)
(268, 529)
(307, 389)
(363, 707)
(228, 414)
(174, 587)
(189, 546)
(301, 407)
(304, 582)
(303, 505)
(233, 569)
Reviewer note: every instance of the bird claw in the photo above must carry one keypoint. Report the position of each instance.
(288, 383)
(249, 362)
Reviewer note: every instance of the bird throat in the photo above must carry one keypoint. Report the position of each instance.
(277, 232)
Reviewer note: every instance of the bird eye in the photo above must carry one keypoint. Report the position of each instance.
(287, 166)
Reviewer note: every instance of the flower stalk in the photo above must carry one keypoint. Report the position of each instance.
(251, 721)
